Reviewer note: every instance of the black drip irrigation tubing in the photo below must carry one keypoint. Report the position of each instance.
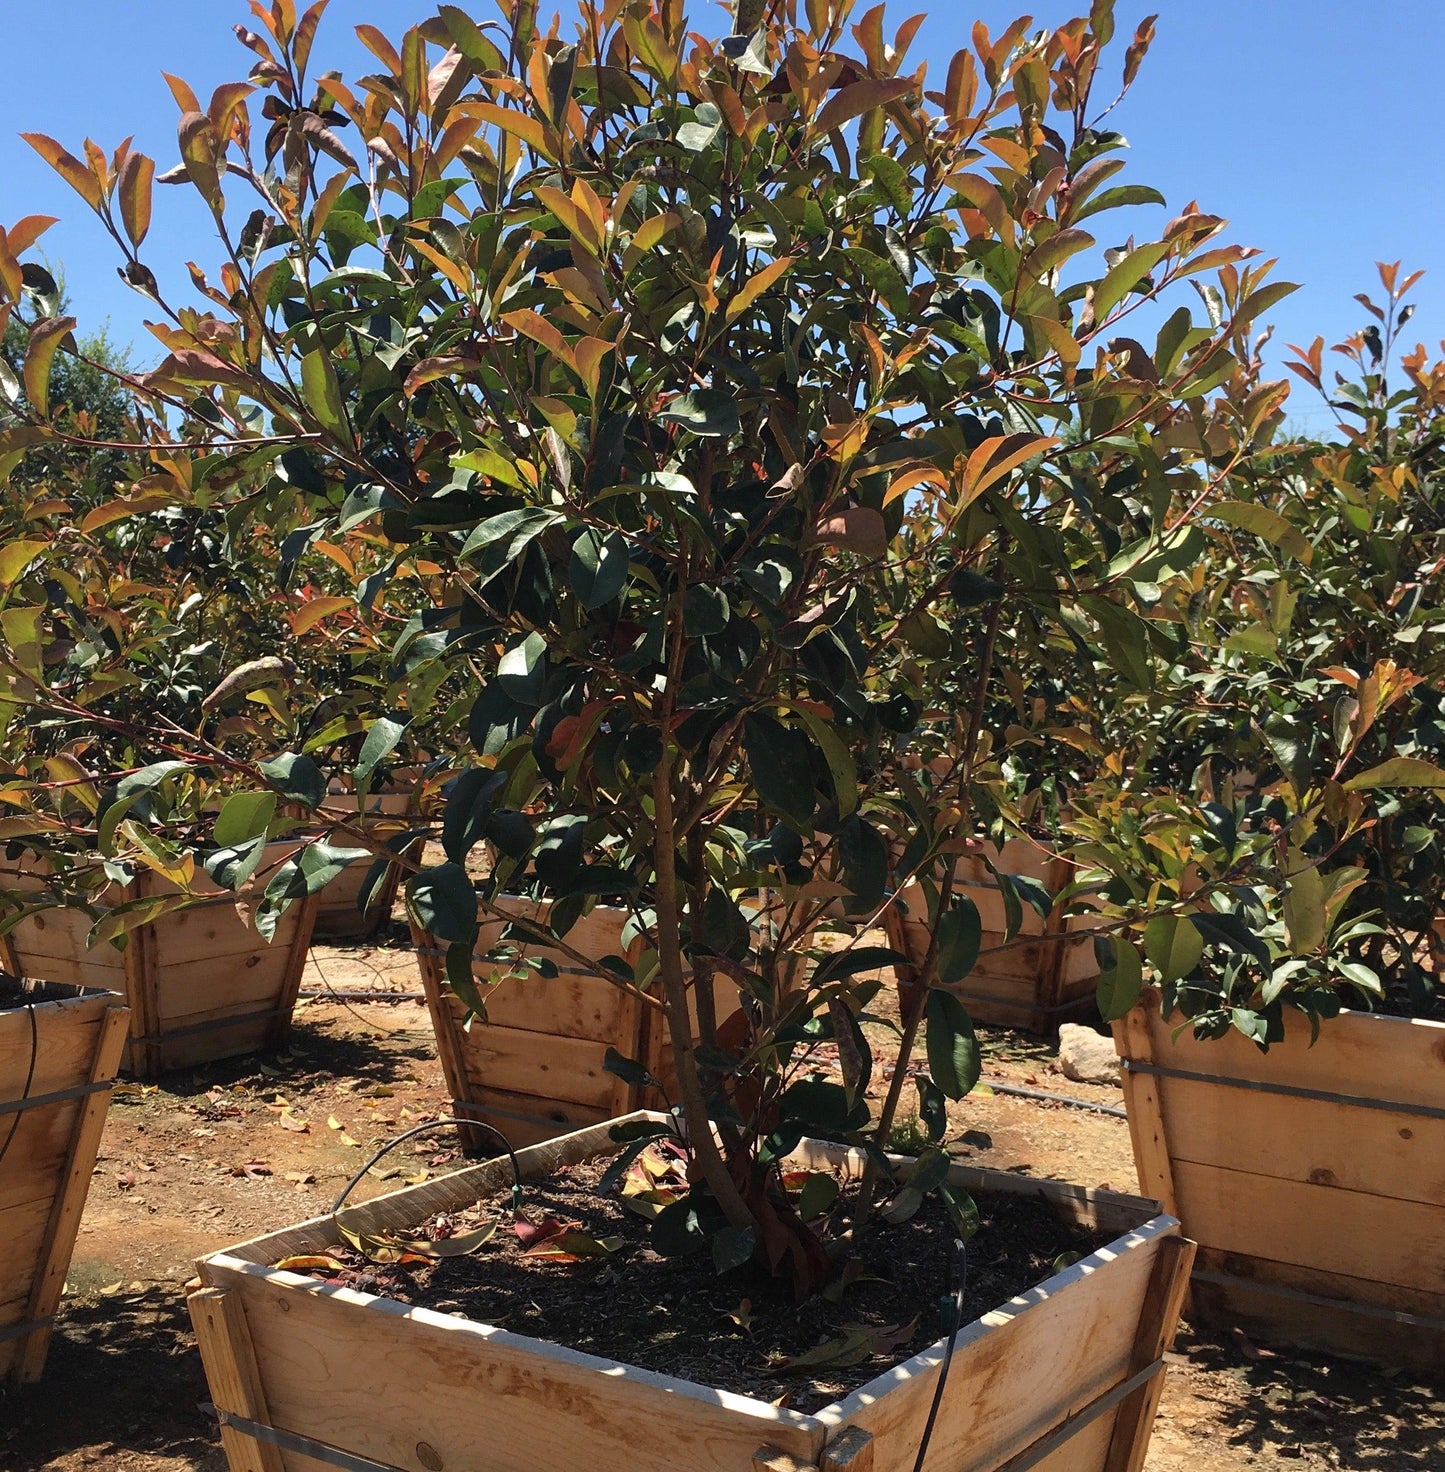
(364, 996)
(1000, 1087)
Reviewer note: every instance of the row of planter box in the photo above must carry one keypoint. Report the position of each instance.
(1311, 1177)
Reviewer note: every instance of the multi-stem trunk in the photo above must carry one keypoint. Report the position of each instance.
(671, 969)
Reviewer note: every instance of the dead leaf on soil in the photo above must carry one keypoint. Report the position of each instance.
(855, 1344)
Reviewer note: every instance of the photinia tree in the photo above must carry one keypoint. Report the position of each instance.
(749, 405)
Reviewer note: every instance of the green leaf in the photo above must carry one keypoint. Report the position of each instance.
(319, 863)
(232, 866)
(598, 567)
(732, 1247)
(1126, 275)
(854, 960)
(960, 933)
(443, 903)
(522, 670)
(1399, 771)
(705, 411)
(515, 528)
(1173, 946)
(780, 761)
(15, 557)
(954, 1058)
(841, 766)
(932, 1107)
(1306, 919)
(244, 816)
(1121, 976)
(147, 779)
(1288, 739)
(817, 1198)
(1112, 199)
(1231, 931)
(323, 393)
(46, 337)
(629, 1070)
(1263, 522)
(381, 740)
(297, 778)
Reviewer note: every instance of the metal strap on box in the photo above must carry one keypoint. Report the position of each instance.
(1293, 1091)
(1070, 1427)
(1319, 1300)
(39, 1101)
(213, 1024)
(289, 1441)
(25, 1330)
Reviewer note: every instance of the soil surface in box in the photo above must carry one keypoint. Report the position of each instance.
(741, 1330)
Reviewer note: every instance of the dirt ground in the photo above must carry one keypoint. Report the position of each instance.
(211, 1157)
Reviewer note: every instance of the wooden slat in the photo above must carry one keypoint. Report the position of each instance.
(540, 1064)
(526, 1120)
(408, 1205)
(1019, 1371)
(1388, 1298)
(1307, 1140)
(1328, 1322)
(44, 1175)
(72, 1185)
(332, 1360)
(22, 1233)
(191, 991)
(850, 1451)
(1134, 1040)
(1330, 1229)
(69, 1043)
(1157, 1322)
(279, 1028)
(1395, 1058)
(581, 1007)
(233, 1376)
(37, 1153)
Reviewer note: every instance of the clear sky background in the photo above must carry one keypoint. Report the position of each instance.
(1313, 125)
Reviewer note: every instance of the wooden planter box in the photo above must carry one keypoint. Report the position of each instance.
(534, 1069)
(1046, 975)
(338, 912)
(1312, 1178)
(1064, 1378)
(201, 984)
(57, 1110)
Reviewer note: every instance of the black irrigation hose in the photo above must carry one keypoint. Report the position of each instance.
(420, 1129)
(952, 1304)
(1001, 1087)
(29, 1080)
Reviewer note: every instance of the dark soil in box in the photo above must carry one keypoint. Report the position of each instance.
(16, 993)
(736, 1331)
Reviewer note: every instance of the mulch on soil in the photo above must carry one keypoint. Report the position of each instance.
(736, 1331)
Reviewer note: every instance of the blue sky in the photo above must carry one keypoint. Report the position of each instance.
(1311, 124)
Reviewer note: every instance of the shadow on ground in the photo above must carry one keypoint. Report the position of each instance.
(124, 1374)
(1288, 1404)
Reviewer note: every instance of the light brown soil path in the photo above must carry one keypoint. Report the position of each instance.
(220, 1154)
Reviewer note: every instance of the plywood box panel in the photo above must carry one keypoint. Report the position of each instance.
(1313, 1178)
(73, 1039)
(177, 972)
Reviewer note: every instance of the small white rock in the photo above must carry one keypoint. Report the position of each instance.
(1086, 1056)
